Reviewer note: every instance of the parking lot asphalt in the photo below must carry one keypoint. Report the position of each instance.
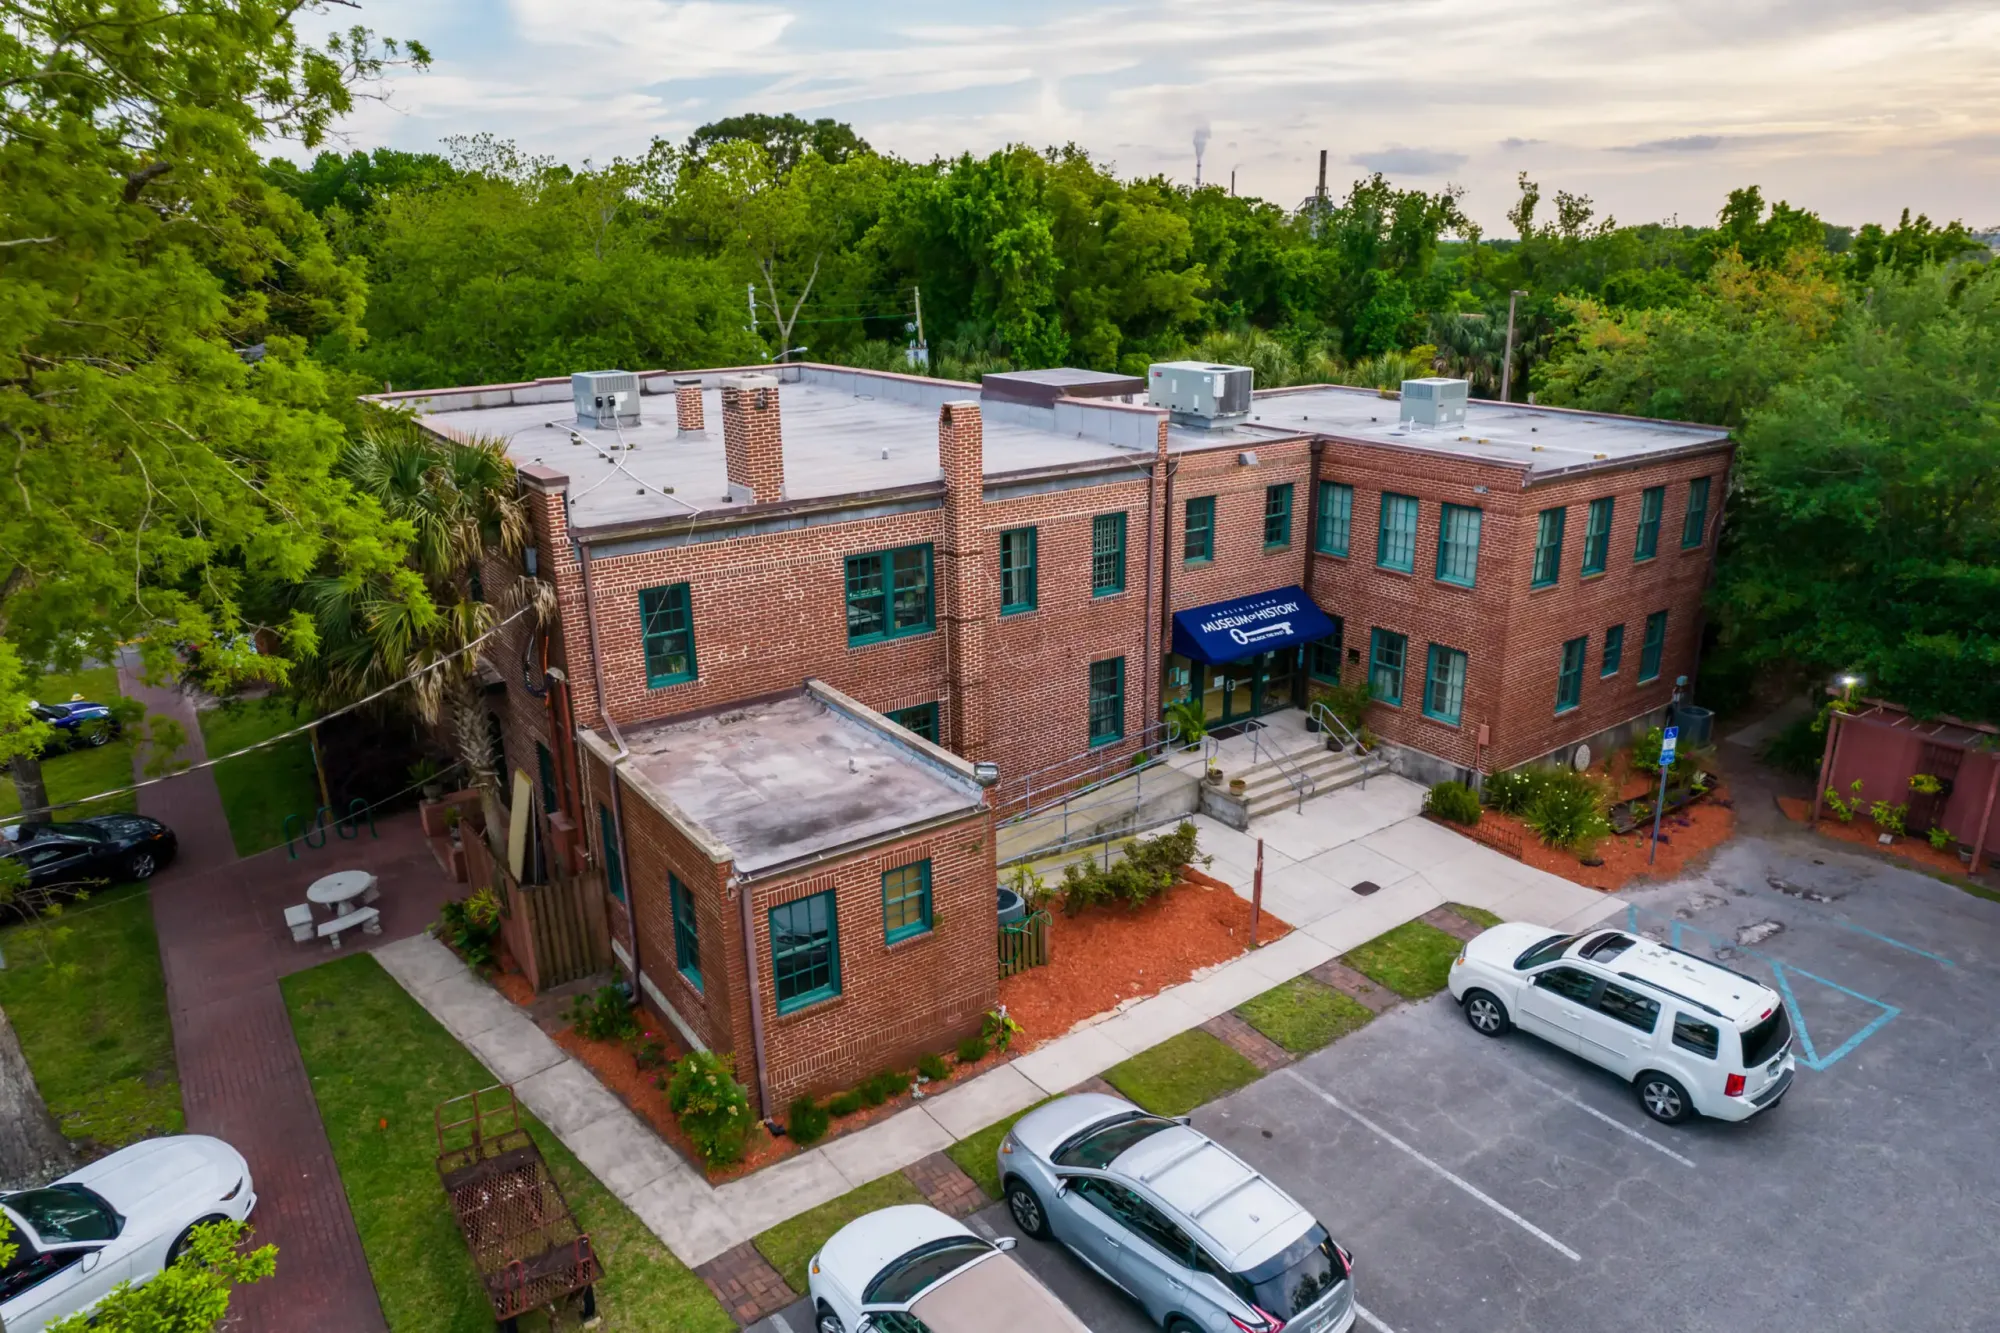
(1506, 1185)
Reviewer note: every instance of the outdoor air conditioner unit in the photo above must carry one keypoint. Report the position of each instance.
(1435, 401)
(606, 398)
(1197, 393)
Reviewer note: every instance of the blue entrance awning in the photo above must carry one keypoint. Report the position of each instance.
(1245, 626)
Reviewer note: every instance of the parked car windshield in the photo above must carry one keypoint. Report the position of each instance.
(904, 1278)
(1766, 1038)
(1104, 1144)
(1295, 1279)
(65, 1213)
(1547, 951)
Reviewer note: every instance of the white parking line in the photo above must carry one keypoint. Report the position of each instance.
(778, 1322)
(1612, 1121)
(982, 1227)
(1457, 1180)
(1368, 1318)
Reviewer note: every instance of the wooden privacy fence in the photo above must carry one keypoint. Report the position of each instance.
(556, 930)
(1024, 943)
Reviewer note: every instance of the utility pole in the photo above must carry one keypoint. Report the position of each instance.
(750, 290)
(1507, 363)
(1319, 195)
(917, 293)
(1232, 182)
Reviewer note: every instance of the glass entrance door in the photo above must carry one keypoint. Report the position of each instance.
(1248, 688)
(1275, 672)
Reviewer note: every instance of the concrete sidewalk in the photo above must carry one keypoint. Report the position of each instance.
(1312, 860)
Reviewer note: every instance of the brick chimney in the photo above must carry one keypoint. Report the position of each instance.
(753, 443)
(970, 594)
(687, 403)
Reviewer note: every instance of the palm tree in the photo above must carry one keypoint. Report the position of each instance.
(458, 501)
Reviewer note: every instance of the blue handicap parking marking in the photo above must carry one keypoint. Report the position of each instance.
(1785, 975)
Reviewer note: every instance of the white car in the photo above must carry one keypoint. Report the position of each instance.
(123, 1217)
(1690, 1035)
(911, 1269)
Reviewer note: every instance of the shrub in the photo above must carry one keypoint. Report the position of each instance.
(1347, 702)
(1147, 869)
(1512, 793)
(1888, 818)
(652, 1053)
(1568, 812)
(807, 1121)
(471, 926)
(933, 1067)
(1798, 748)
(713, 1107)
(1940, 836)
(603, 1015)
(879, 1088)
(1845, 810)
(972, 1050)
(844, 1103)
(998, 1030)
(1187, 721)
(1033, 889)
(1453, 801)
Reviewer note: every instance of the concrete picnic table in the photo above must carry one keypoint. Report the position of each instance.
(340, 889)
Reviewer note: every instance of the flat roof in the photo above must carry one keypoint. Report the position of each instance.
(1543, 440)
(783, 779)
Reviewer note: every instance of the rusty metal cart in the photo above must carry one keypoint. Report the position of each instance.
(528, 1249)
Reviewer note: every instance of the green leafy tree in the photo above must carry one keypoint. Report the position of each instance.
(191, 1296)
(356, 183)
(168, 440)
(786, 140)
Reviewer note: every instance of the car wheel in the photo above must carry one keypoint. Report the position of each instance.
(1664, 1099)
(141, 866)
(826, 1321)
(180, 1241)
(97, 737)
(1486, 1014)
(1026, 1210)
(1180, 1325)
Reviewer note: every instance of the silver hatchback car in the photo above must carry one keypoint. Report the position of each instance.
(1177, 1221)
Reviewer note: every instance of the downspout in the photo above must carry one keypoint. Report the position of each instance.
(617, 801)
(1156, 682)
(1163, 626)
(1312, 549)
(744, 892)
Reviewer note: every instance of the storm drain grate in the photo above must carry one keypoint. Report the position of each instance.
(1366, 887)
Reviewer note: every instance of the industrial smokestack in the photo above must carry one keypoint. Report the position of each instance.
(1201, 137)
(1320, 194)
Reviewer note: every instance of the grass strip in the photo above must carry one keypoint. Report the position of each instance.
(260, 788)
(791, 1245)
(1478, 916)
(979, 1155)
(1303, 1015)
(1413, 960)
(73, 774)
(1181, 1073)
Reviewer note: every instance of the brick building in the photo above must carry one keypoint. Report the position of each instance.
(1021, 577)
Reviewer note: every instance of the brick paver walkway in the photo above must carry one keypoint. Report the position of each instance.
(948, 1189)
(746, 1284)
(1247, 1041)
(188, 803)
(1350, 982)
(223, 946)
(1451, 923)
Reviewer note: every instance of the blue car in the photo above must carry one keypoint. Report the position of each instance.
(77, 724)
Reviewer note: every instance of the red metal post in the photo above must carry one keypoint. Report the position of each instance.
(1985, 819)
(1257, 891)
(1833, 717)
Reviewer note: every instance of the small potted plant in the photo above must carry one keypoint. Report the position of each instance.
(426, 774)
(1236, 786)
(1215, 775)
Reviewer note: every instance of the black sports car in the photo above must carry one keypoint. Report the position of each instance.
(77, 723)
(116, 848)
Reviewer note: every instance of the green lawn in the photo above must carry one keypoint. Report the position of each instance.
(1413, 960)
(85, 994)
(374, 1055)
(79, 773)
(791, 1245)
(1478, 916)
(1303, 1015)
(978, 1156)
(1181, 1073)
(261, 788)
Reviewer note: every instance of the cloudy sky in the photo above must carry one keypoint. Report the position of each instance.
(1655, 108)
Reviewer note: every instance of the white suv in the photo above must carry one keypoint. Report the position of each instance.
(1690, 1035)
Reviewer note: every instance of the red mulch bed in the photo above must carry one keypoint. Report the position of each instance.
(1686, 836)
(1863, 833)
(1105, 956)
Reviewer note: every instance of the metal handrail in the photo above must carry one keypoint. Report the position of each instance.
(1162, 735)
(1331, 720)
(1301, 781)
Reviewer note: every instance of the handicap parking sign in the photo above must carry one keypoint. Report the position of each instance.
(1667, 741)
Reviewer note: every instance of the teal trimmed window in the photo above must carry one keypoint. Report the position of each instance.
(906, 901)
(1458, 545)
(1614, 651)
(1694, 528)
(1569, 684)
(1386, 652)
(888, 594)
(1198, 533)
(614, 873)
(805, 952)
(1336, 518)
(919, 718)
(1107, 701)
(1017, 571)
(666, 623)
(687, 933)
(546, 763)
(1323, 655)
(1444, 685)
(1396, 545)
(1548, 547)
(1277, 516)
(1652, 500)
(1597, 536)
(1653, 647)
(1107, 554)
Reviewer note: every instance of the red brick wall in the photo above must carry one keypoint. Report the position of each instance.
(753, 437)
(1241, 567)
(1512, 633)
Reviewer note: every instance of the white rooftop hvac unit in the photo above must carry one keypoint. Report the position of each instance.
(1435, 401)
(606, 398)
(1197, 393)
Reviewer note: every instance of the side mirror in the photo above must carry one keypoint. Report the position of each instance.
(1183, 1120)
(90, 1261)
(1005, 1243)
